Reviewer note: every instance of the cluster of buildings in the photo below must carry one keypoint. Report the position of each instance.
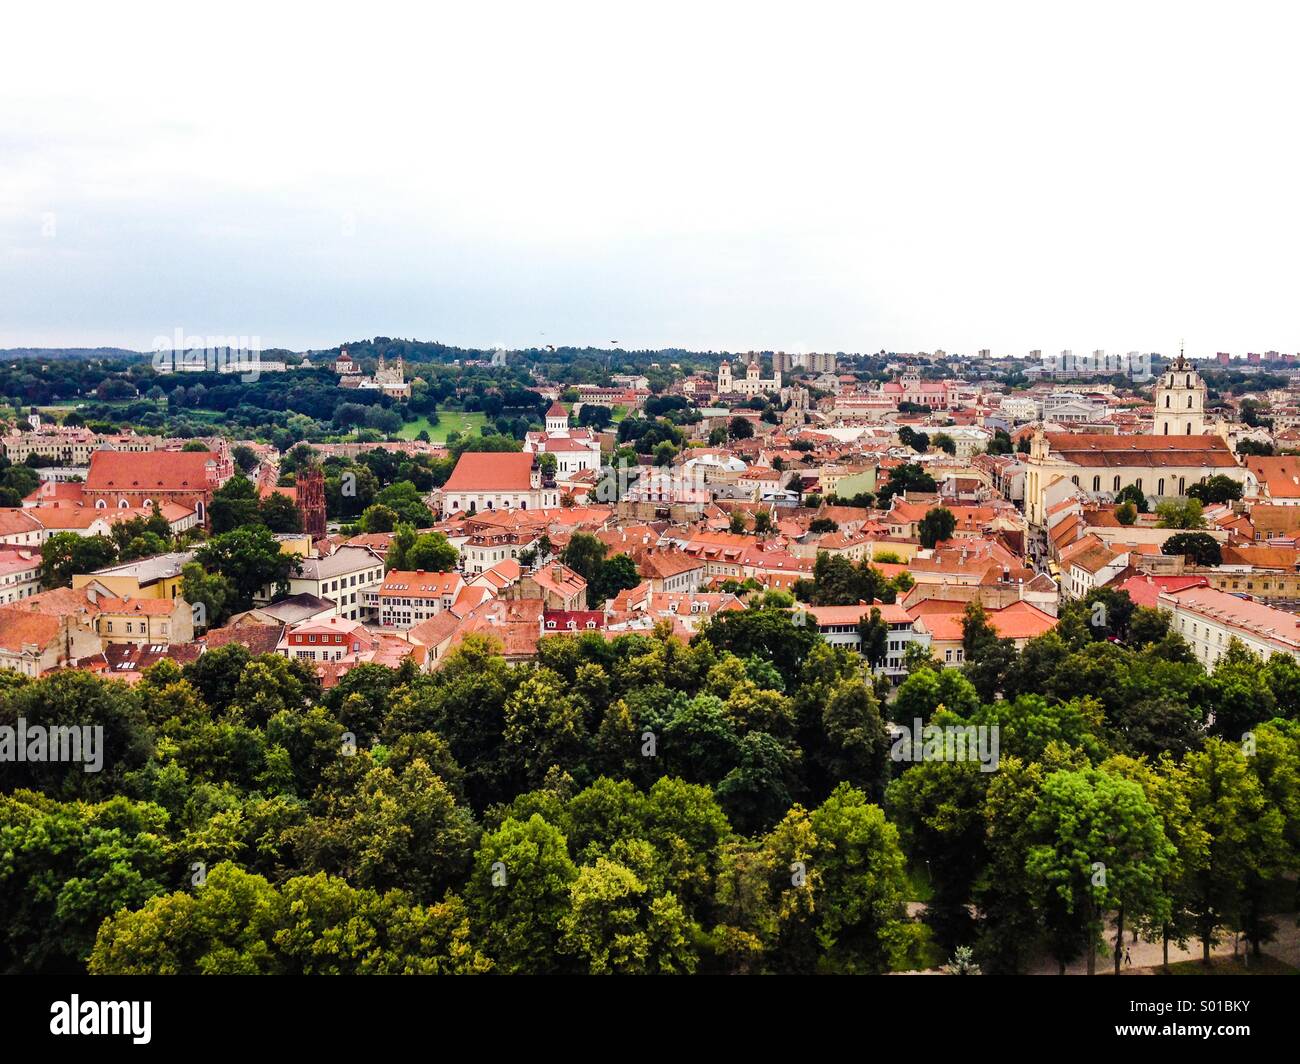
(1035, 481)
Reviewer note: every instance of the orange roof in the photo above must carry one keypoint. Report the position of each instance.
(491, 471)
(1090, 449)
(890, 612)
(19, 628)
(152, 471)
(14, 522)
(419, 584)
(1020, 620)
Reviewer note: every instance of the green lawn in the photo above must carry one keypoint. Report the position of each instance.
(449, 421)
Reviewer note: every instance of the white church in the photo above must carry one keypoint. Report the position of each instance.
(1177, 453)
(753, 383)
(575, 450)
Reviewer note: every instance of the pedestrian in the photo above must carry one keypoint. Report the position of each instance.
(1128, 957)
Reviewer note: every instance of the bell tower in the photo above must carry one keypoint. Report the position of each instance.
(1179, 401)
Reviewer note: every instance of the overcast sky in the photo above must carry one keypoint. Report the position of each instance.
(713, 176)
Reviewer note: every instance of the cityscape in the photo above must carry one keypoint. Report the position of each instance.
(713, 491)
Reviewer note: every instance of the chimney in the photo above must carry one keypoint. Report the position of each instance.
(557, 574)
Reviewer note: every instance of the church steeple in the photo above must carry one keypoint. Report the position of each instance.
(1179, 400)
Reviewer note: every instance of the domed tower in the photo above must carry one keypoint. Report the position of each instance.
(1180, 401)
(724, 377)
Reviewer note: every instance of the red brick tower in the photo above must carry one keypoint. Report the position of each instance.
(311, 500)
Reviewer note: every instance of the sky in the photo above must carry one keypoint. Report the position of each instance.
(712, 176)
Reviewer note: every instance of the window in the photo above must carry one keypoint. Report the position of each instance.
(1117, 483)
(1160, 486)
(1096, 483)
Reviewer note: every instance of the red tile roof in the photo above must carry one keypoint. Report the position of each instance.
(149, 471)
(491, 471)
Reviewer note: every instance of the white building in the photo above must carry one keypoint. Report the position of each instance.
(342, 577)
(753, 383)
(575, 450)
(1210, 619)
(498, 480)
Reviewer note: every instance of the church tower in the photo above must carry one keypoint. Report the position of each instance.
(557, 418)
(1180, 401)
(724, 378)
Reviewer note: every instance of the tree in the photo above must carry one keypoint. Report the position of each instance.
(405, 500)
(1100, 847)
(740, 428)
(736, 524)
(432, 552)
(397, 830)
(68, 867)
(1184, 513)
(234, 505)
(278, 512)
(379, 518)
(237, 923)
(839, 873)
(1217, 489)
(772, 634)
(518, 892)
(618, 573)
(584, 554)
(213, 592)
(250, 558)
(617, 925)
(1126, 513)
(856, 747)
(937, 525)
(873, 632)
(1243, 830)
(905, 478)
(1131, 493)
(66, 554)
(245, 457)
(1201, 547)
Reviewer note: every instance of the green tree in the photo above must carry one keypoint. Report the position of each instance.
(66, 554)
(518, 892)
(250, 558)
(1180, 513)
(937, 525)
(1101, 847)
(234, 505)
(431, 552)
(1200, 547)
(1131, 493)
(617, 925)
(213, 592)
(1217, 489)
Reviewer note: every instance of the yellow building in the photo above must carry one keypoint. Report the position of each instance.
(158, 577)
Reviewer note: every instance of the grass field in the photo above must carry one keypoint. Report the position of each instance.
(449, 421)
